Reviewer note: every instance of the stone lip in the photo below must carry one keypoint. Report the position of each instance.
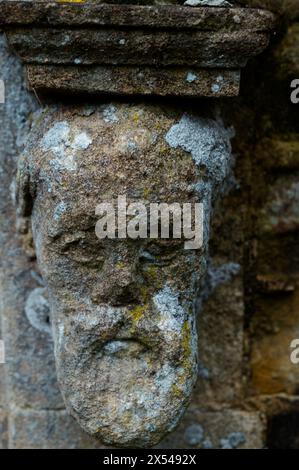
(127, 49)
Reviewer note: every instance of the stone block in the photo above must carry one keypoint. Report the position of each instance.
(220, 330)
(32, 429)
(226, 429)
(275, 325)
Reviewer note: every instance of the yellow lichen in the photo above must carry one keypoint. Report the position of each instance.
(151, 272)
(176, 391)
(120, 265)
(138, 312)
(136, 117)
(144, 293)
(186, 347)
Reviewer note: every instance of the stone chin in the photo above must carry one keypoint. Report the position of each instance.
(127, 385)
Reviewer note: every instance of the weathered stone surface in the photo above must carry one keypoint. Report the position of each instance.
(221, 338)
(122, 310)
(3, 429)
(270, 265)
(114, 47)
(164, 16)
(279, 153)
(29, 369)
(275, 325)
(134, 80)
(280, 214)
(288, 8)
(2, 386)
(29, 351)
(2, 377)
(287, 54)
(119, 39)
(29, 362)
(31, 377)
(223, 429)
(47, 429)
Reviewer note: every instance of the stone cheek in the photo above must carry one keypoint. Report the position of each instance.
(123, 323)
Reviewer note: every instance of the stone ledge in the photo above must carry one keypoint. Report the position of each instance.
(134, 81)
(126, 49)
(39, 13)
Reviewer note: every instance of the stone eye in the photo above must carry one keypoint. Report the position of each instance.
(162, 252)
(83, 251)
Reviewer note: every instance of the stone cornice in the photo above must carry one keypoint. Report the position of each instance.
(126, 49)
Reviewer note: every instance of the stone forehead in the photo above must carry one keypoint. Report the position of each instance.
(113, 148)
(94, 153)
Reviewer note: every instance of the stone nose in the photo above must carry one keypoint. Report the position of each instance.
(118, 284)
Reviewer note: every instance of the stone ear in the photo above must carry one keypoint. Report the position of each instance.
(24, 195)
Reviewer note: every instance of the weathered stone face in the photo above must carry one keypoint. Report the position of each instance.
(122, 310)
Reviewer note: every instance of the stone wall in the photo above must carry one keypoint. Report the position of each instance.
(247, 390)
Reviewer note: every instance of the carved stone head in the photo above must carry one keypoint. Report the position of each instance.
(122, 310)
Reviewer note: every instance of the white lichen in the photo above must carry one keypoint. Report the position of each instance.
(233, 440)
(194, 434)
(58, 140)
(191, 77)
(215, 88)
(172, 314)
(208, 142)
(59, 210)
(37, 310)
(81, 141)
(109, 114)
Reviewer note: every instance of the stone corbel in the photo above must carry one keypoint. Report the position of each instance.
(123, 314)
(130, 50)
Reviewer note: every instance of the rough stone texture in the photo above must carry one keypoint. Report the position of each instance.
(133, 80)
(271, 268)
(2, 380)
(130, 47)
(13, 116)
(47, 429)
(227, 429)
(135, 49)
(122, 312)
(28, 378)
(287, 54)
(31, 376)
(289, 7)
(221, 341)
(165, 16)
(278, 320)
(3, 429)
(262, 406)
